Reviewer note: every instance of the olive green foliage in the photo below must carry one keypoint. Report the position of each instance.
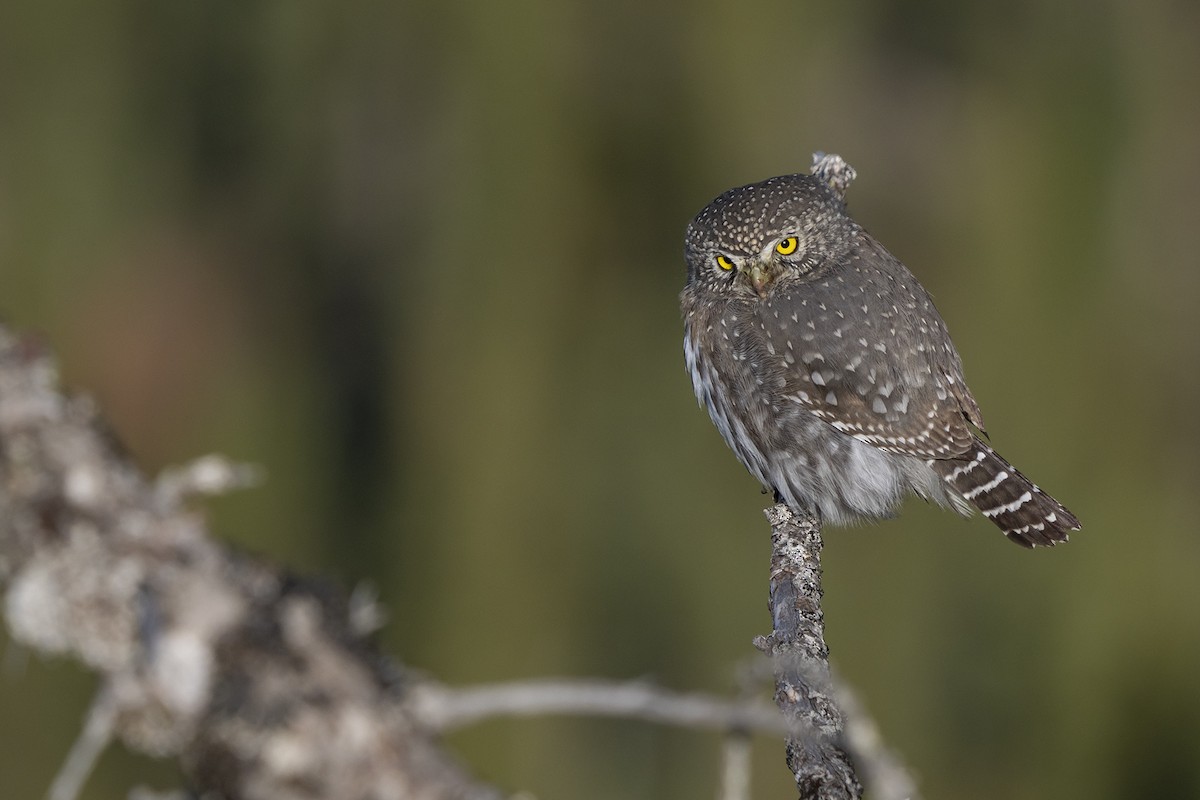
(420, 261)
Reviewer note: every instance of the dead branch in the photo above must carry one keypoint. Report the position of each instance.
(264, 684)
(256, 680)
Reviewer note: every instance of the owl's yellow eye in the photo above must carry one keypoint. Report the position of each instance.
(787, 246)
(724, 263)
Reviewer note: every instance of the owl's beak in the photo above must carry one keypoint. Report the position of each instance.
(761, 275)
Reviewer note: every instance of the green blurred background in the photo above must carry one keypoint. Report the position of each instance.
(420, 261)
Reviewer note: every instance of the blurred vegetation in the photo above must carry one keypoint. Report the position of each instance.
(420, 261)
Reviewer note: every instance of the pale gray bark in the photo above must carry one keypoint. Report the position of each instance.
(255, 680)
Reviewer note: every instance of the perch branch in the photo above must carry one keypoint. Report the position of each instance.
(803, 691)
(825, 766)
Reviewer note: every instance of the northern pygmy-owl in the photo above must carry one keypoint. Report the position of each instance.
(826, 367)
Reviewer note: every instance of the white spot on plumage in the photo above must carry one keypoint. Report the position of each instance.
(831, 398)
(878, 406)
(1008, 507)
(1000, 478)
(817, 378)
(965, 468)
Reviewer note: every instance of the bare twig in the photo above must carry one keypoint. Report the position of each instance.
(207, 475)
(95, 737)
(881, 769)
(442, 708)
(142, 793)
(735, 767)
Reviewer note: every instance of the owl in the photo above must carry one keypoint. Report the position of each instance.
(828, 371)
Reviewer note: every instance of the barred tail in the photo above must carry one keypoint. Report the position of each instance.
(1025, 513)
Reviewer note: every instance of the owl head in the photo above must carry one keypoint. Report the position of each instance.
(750, 237)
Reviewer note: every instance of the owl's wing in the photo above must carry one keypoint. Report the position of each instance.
(866, 351)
